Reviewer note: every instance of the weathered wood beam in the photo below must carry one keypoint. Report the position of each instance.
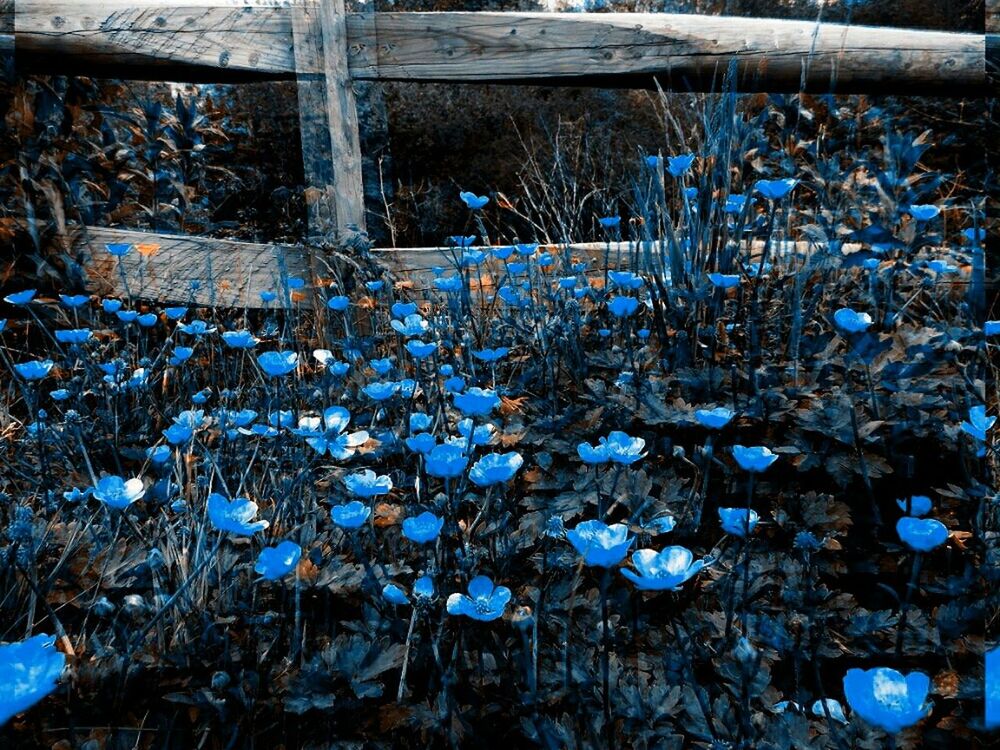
(192, 270)
(328, 121)
(224, 40)
(227, 273)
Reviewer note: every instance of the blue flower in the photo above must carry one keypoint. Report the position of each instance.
(735, 204)
(756, 459)
(495, 468)
(423, 588)
(423, 528)
(472, 258)
(610, 222)
(654, 162)
(458, 240)
(622, 307)
(775, 190)
(473, 201)
(422, 442)
(35, 369)
(374, 286)
(724, 280)
(240, 339)
(77, 495)
(921, 534)
(180, 355)
(924, 212)
(74, 300)
(60, 394)
(178, 434)
(147, 320)
(485, 602)
(129, 316)
(714, 419)
(118, 249)
(991, 328)
(278, 364)
(662, 571)
(481, 435)
(737, 521)
(978, 423)
(887, 699)
(448, 284)
(446, 461)
(852, 322)
(276, 562)
(476, 402)
(502, 252)
(593, 454)
(381, 366)
(196, 328)
(111, 306)
(625, 279)
(917, 505)
(235, 516)
(21, 298)
(419, 421)
(268, 296)
(419, 349)
(73, 336)
(350, 515)
(118, 493)
(491, 355)
(30, 669)
(338, 303)
(403, 309)
(334, 438)
(678, 165)
(395, 595)
(381, 391)
(411, 325)
(526, 248)
(175, 313)
(158, 454)
(184, 426)
(599, 544)
(623, 448)
(368, 484)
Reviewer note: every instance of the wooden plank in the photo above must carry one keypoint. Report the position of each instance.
(213, 40)
(314, 127)
(342, 118)
(192, 270)
(227, 273)
(683, 51)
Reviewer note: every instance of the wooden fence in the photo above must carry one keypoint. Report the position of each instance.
(324, 49)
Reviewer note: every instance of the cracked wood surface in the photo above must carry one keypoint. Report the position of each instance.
(228, 40)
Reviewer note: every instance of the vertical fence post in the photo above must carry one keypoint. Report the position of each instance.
(328, 121)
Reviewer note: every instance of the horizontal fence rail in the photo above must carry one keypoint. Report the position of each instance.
(219, 40)
(205, 271)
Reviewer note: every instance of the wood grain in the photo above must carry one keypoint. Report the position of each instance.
(682, 51)
(192, 270)
(224, 40)
(226, 273)
(314, 126)
(342, 119)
